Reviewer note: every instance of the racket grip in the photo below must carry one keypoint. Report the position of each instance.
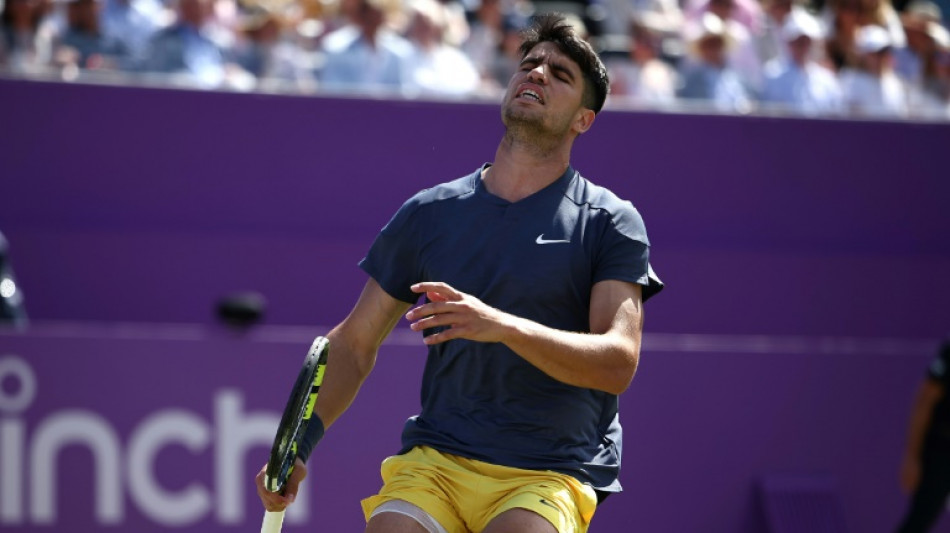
(272, 522)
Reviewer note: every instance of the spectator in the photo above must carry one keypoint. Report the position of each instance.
(436, 67)
(24, 45)
(133, 23)
(796, 81)
(82, 44)
(771, 43)
(267, 49)
(706, 74)
(842, 20)
(921, 23)
(366, 55)
(456, 24)
(925, 470)
(641, 77)
(485, 29)
(743, 56)
(872, 89)
(493, 41)
(186, 48)
(930, 96)
(918, 64)
(507, 55)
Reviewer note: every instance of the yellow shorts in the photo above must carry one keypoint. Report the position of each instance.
(465, 495)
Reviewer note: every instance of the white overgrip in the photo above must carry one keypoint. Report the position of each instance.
(272, 522)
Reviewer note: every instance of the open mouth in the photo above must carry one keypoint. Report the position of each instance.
(530, 94)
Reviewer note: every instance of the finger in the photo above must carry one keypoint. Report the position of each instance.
(293, 483)
(436, 297)
(432, 321)
(272, 501)
(277, 503)
(437, 291)
(429, 309)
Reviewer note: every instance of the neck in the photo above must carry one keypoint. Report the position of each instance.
(521, 169)
(369, 35)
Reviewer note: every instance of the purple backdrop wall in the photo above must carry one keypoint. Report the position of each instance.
(806, 263)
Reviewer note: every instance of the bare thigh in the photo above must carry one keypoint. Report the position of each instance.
(519, 521)
(393, 523)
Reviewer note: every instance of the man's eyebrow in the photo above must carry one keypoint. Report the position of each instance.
(533, 60)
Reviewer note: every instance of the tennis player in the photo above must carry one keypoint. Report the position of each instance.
(533, 280)
(925, 471)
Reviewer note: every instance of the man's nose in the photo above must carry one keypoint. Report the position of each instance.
(537, 74)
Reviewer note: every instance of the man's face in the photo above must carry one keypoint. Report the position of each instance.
(799, 49)
(779, 9)
(369, 16)
(194, 12)
(877, 63)
(83, 15)
(712, 50)
(546, 92)
(721, 8)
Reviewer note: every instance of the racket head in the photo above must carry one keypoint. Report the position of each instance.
(296, 415)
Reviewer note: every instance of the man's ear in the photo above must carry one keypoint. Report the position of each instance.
(584, 120)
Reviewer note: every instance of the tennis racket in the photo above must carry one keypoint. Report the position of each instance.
(293, 426)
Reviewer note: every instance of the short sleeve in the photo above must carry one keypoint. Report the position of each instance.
(625, 252)
(393, 259)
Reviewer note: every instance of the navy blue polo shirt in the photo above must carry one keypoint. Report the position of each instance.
(536, 258)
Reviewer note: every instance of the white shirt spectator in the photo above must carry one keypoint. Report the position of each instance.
(133, 23)
(795, 80)
(808, 90)
(744, 57)
(651, 83)
(352, 63)
(442, 71)
(743, 49)
(875, 90)
(923, 104)
(436, 67)
(771, 43)
(869, 96)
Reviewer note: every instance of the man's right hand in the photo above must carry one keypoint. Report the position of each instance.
(274, 501)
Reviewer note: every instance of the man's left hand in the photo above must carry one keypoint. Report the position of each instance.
(462, 315)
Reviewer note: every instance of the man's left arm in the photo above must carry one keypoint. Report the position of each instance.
(604, 359)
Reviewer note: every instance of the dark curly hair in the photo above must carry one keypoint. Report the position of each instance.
(554, 28)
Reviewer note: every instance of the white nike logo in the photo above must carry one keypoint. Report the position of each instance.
(542, 240)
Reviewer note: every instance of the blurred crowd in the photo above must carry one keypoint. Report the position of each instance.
(871, 58)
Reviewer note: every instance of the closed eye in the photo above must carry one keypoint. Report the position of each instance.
(562, 72)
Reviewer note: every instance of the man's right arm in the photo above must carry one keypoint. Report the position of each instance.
(353, 347)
